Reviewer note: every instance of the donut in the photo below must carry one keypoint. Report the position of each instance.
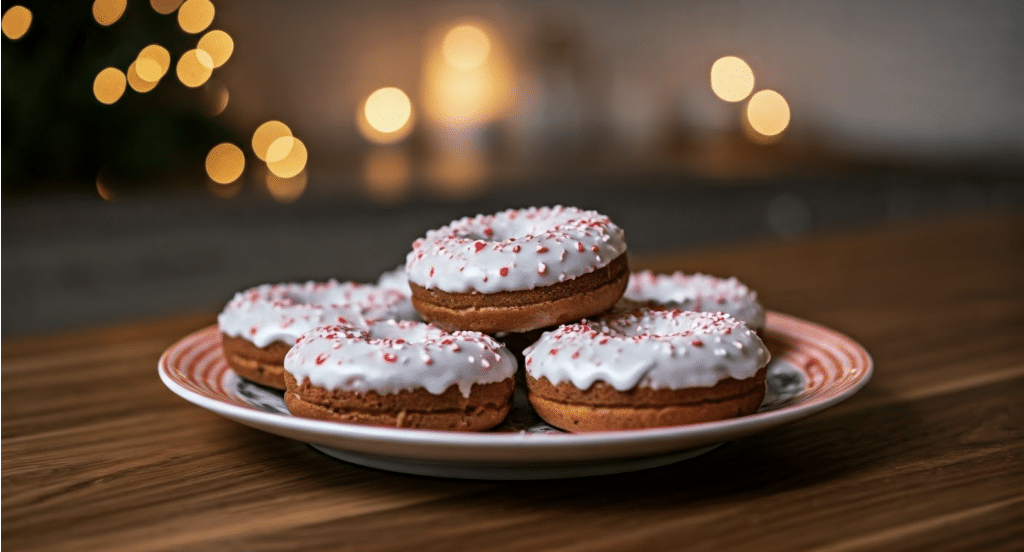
(646, 369)
(518, 270)
(400, 374)
(695, 292)
(259, 325)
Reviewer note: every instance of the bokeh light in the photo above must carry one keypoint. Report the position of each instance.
(286, 189)
(153, 62)
(109, 85)
(215, 98)
(194, 16)
(292, 162)
(16, 22)
(265, 135)
(219, 45)
(225, 163)
(104, 189)
(731, 79)
(386, 175)
(224, 191)
(466, 47)
(107, 12)
(138, 83)
(474, 89)
(768, 113)
(165, 7)
(458, 175)
(385, 116)
(194, 68)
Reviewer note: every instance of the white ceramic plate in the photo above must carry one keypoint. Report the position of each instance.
(812, 368)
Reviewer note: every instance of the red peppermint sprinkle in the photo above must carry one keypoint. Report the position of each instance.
(542, 249)
(576, 354)
(553, 351)
(579, 246)
(516, 249)
(390, 357)
(321, 358)
(253, 330)
(594, 248)
(697, 343)
(488, 232)
(431, 272)
(503, 271)
(542, 268)
(480, 245)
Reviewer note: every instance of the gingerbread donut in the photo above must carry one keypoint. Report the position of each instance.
(401, 374)
(644, 370)
(695, 292)
(518, 270)
(259, 325)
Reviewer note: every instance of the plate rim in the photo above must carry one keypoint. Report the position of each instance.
(744, 425)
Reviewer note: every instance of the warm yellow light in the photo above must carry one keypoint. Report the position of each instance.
(768, 113)
(265, 135)
(286, 190)
(458, 175)
(387, 175)
(292, 162)
(466, 47)
(16, 22)
(109, 85)
(225, 163)
(153, 62)
(107, 12)
(194, 68)
(219, 45)
(386, 116)
(731, 79)
(136, 81)
(165, 6)
(194, 16)
(463, 94)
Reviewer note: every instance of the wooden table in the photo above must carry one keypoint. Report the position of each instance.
(99, 455)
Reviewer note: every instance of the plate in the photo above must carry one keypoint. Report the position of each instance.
(812, 368)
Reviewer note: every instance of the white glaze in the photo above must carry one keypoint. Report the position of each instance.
(390, 356)
(696, 292)
(655, 349)
(514, 250)
(282, 312)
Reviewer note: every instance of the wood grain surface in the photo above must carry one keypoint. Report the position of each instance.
(98, 455)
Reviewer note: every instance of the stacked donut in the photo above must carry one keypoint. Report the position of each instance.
(621, 351)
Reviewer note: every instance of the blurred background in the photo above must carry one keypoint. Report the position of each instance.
(159, 155)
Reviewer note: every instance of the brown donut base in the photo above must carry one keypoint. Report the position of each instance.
(487, 405)
(262, 365)
(604, 408)
(525, 310)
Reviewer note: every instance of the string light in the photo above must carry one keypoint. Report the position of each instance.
(107, 12)
(466, 47)
(136, 81)
(153, 62)
(194, 68)
(768, 113)
(194, 16)
(732, 79)
(109, 85)
(265, 135)
(225, 163)
(16, 22)
(219, 45)
(292, 162)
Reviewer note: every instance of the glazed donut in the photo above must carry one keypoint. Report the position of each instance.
(260, 324)
(646, 369)
(696, 292)
(401, 374)
(518, 270)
